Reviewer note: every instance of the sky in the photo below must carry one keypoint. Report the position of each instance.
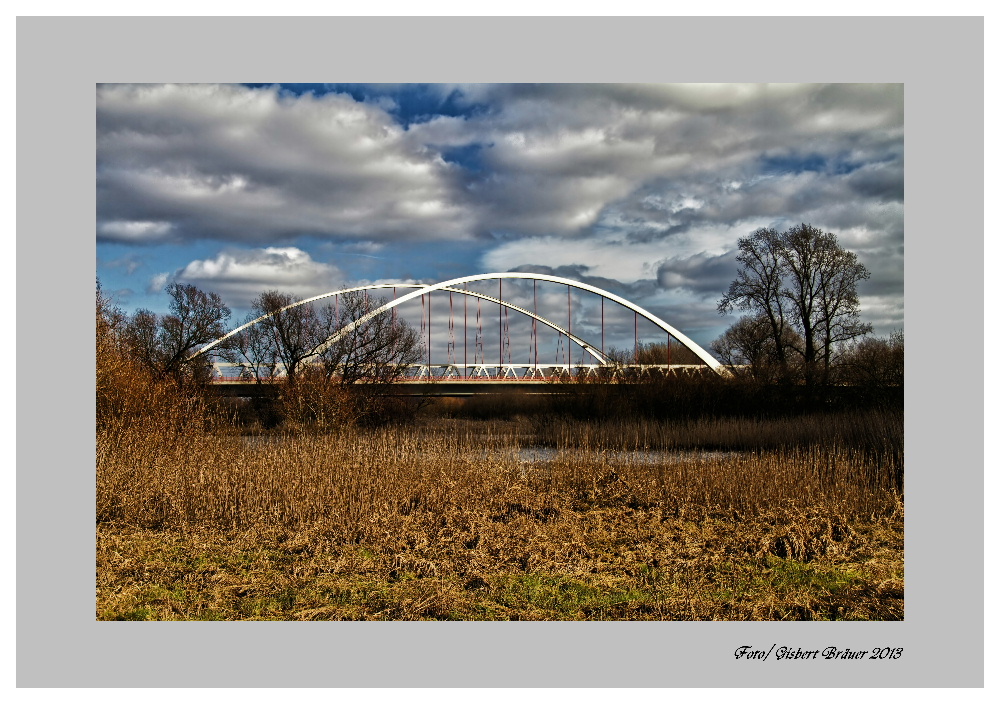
(642, 190)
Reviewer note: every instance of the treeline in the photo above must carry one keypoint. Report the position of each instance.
(803, 321)
(801, 347)
(130, 390)
(869, 362)
(155, 368)
(675, 395)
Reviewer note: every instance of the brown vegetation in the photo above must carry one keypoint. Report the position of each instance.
(455, 519)
(517, 510)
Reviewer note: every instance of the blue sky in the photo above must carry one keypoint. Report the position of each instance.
(640, 189)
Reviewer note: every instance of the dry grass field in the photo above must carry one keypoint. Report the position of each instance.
(529, 518)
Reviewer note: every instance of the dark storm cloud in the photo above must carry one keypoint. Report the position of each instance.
(885, 264)
(579, 272)
(881, 182)
(702, 274)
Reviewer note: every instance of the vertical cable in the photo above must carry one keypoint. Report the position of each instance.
(636, 337)
(534, 322)
(480, 352)
(423, 319)
(465, 332)
(451, 328)
(569, 329)
(506, 335)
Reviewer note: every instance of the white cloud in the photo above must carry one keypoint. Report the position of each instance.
(258, 165)
(638, 183)
(558, 157)
(364, 247)
(241, 275)
(158, 282)
(246, 165)
(129, 263)
(601, 256)
(135, 230)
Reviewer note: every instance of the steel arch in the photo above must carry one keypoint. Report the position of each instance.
(593, 351)
(710, 361)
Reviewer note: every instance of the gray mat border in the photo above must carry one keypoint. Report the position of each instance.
(59, 60)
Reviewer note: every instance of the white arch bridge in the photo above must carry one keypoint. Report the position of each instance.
(502, 367)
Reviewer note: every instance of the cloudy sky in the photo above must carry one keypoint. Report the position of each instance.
(643, 190)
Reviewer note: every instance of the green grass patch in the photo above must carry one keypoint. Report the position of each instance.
(567, 598)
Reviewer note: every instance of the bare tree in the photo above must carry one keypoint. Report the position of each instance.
(669, 352)
(801, 278)
(839, 307)
(111, 366)
(110, 319)
(748, 344)
(165, 343)
(873, 362)
(254, 350)
(294, 333)
(337, 360)
(822, 292)
(758, 284)
(374, 352)
(142, 337)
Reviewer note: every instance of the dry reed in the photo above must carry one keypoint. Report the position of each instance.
(454, 521)
(538, 516)
(352, 480)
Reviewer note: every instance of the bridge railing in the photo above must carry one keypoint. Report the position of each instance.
(487, 372)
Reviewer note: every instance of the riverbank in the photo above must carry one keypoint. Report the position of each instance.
(461, 519)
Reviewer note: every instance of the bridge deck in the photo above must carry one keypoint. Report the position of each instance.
(410, 387)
